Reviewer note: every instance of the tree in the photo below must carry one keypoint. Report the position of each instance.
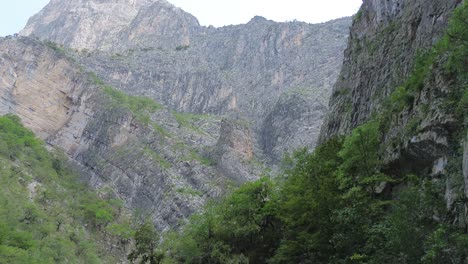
(146, 242)
(307, 199)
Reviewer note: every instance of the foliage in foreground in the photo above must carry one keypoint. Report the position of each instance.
(325, 210)
(43, 207)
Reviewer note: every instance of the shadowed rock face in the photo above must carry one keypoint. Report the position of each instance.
(384, 40)
(382, 48)
(294, 122)
(158, 50)
(422, 138)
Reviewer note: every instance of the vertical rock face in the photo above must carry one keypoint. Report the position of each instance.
(159, 25)
(254, 92)
(236, 135)
(419, 134)
(43, 93)
(234, 149)
(158, 50)
(380, 54)
(157, 166)
(294, 122)
(231, 69)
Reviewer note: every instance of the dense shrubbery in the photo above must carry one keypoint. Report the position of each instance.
(241, 227)
(43, 207)
(328, 208)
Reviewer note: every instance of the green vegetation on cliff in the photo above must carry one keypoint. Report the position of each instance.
(450, 53)
(44, 208)
(140, 106)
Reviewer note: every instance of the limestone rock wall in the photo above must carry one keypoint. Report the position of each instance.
(162, 168)
(384, 39)
(158, 50)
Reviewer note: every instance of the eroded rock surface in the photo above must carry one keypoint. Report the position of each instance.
(233, 97)
(160, 167)
(420, 135)
(160, 51)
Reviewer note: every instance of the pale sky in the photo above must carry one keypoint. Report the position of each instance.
(232, 12)
(15, 13)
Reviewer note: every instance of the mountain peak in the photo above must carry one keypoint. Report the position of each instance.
(100, 24)
(163, 2)
(258, 19)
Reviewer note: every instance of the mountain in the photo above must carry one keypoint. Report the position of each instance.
(187, 125)
(163, 53)
(166, 113)
(143, 152)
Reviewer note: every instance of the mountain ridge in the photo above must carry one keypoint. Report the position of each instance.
(76, 16)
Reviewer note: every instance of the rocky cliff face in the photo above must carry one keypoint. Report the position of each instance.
(232, 97)
(294, 122)
(97, 24)
(155, 160)
(380, 55)
(43, 99)
(391, 72)
(235, 78)
(240, 71)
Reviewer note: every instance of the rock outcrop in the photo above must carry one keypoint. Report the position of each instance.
(42, 93)
(235, 149)
(294, 122)
(381, 54)
(98, 24)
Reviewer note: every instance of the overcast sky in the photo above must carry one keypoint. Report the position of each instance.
(15, 13)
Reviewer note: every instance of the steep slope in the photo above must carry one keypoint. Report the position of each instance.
(240, 71)
(384, 41)
(47, 215)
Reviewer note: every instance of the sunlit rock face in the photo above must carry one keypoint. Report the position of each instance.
(100, 24)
